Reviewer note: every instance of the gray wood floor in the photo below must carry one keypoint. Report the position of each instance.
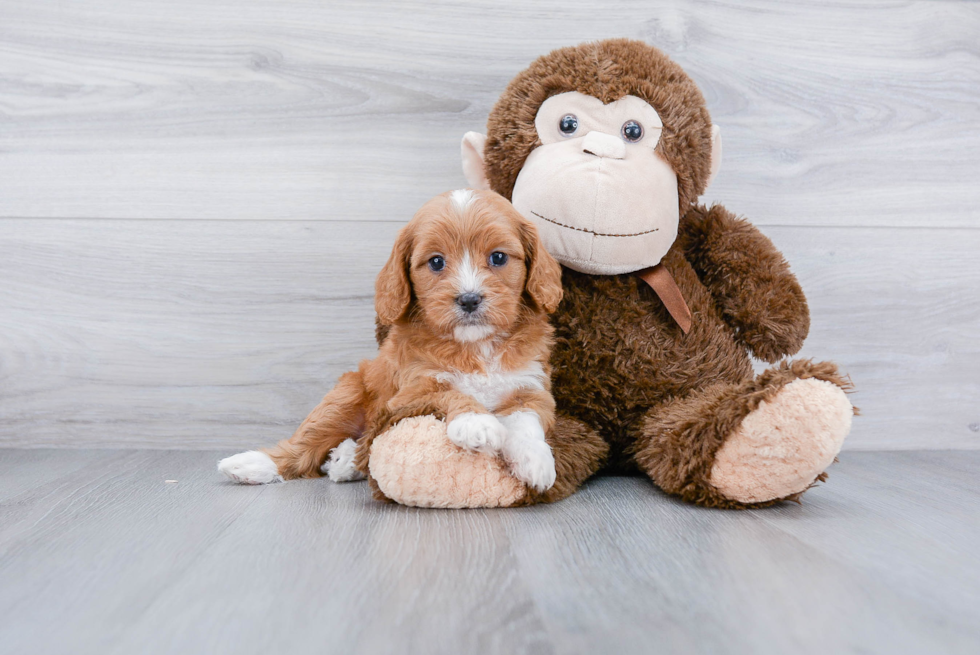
(100, 554)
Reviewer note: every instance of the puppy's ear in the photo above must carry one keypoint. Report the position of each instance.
(393, 288)
(543, 272)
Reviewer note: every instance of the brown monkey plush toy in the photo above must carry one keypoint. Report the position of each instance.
(606, 148)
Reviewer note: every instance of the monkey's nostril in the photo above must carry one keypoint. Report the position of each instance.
(604, 145)
(469, 302)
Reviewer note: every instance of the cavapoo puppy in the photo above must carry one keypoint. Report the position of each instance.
(465, 297)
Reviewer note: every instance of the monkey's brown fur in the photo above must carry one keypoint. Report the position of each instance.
(607, 70)
(632, 390)
(664, 401)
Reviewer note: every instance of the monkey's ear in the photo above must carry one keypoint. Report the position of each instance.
(543, 272)
(715, 154)
(473, 170)
(393, 288)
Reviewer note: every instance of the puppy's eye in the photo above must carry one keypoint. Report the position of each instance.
(498, 258)
(437, 263)
(568, 124)
(632, 131)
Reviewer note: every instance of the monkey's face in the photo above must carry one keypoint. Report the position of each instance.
(604, 200)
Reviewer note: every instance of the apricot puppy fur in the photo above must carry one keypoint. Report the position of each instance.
(466, 293)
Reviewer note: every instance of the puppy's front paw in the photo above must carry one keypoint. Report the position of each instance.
(251, 467)
(534, 464)
(527, 453)
(480, 432)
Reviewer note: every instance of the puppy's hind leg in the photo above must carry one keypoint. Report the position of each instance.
(339, 416)
(340, 467)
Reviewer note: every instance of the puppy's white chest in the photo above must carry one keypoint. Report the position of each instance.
(490, 389)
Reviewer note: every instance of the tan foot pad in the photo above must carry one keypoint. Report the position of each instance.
(415, 463)
(782, 446)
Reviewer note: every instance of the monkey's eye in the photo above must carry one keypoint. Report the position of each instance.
(498, 258)
(568, 124)
(632, 131)
(437, 263)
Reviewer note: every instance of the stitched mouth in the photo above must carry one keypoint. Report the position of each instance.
(598, 234)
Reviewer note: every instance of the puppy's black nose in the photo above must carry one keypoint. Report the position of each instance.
(469, 302)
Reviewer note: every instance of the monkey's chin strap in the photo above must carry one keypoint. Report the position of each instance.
(662, 283)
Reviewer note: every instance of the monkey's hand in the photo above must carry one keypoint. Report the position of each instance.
(749, 279)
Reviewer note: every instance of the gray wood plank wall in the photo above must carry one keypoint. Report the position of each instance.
(196, 196)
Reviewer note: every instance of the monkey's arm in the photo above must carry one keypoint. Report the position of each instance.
(749, 279)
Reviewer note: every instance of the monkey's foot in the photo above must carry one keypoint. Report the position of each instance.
(415, 463)
(781, 447)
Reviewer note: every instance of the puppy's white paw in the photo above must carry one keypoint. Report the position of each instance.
(534, 464)
(339, 467)
(251, 467)
(480, 432)
(526, 452)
